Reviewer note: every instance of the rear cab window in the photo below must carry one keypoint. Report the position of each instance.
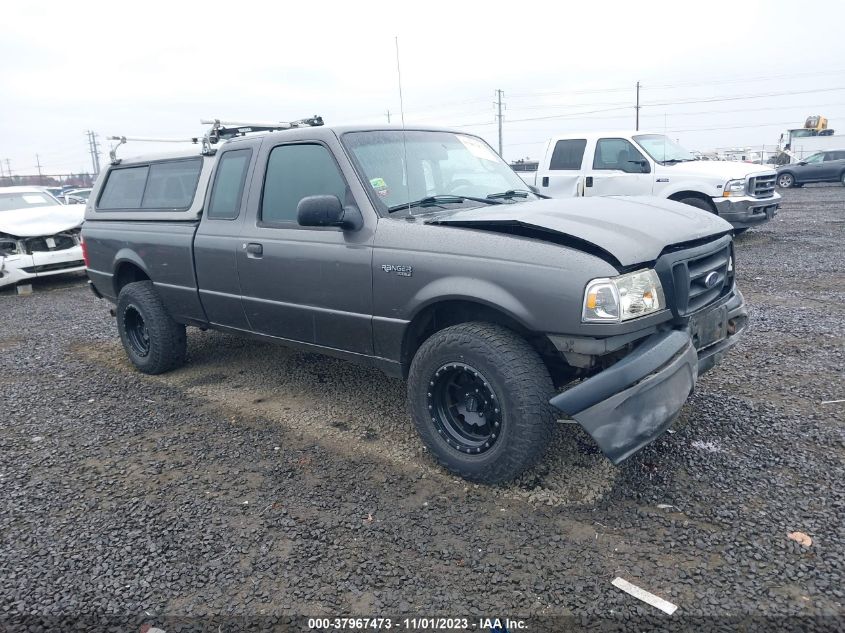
(568, 154)
(163, 185)
(229, 182)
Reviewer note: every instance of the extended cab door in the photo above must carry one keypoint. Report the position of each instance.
(618, 169)
(217, 241)
(562, 176)
(307, 284)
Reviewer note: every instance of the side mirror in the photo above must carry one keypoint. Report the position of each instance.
(802, 162)
(639, 167)
(328, 211)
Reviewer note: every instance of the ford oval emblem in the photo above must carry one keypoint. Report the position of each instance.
(711, 279)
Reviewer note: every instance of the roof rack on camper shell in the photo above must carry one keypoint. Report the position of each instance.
(220, 130)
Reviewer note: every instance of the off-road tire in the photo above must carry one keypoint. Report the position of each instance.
(786, 180)
(698, 203)
(520, 383)
(167, 342)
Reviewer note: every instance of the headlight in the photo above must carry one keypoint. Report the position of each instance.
(734, 188)
(622, 298)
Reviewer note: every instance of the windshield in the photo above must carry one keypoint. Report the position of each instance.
(438, 164)
(663, 149)
(25, 200)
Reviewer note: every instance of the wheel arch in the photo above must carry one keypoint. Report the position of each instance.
(128, 268)
(689, 193)
(444, 312)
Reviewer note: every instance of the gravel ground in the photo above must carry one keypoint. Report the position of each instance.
(258, 482)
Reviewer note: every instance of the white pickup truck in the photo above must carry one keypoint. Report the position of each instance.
(641, 163)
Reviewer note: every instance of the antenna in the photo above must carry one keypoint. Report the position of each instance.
(404, 139)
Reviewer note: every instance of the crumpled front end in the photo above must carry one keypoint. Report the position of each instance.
(23, 258)
(631, 403)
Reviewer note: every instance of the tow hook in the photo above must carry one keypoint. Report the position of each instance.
(112, 312)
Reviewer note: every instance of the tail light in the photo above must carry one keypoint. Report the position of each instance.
(84, 251)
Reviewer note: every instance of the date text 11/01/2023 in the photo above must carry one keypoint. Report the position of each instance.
(497, 625)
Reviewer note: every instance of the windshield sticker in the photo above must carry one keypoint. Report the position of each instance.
(33, 199)
(478, 148)
(380, 187)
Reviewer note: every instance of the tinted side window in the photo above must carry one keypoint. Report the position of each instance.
(228, 187)
(568, 154)
(295, 172)
(124, 188)
(172, 185)
(834, 156)
(616, 153)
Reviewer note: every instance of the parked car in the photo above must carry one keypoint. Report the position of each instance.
(39, 236)
(642, 163)
(76, 196)
(502, 310)
(825, 166)
(56, 192)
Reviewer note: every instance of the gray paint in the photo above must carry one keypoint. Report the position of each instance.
(328, 289)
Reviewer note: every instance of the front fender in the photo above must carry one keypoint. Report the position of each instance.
(481, 291)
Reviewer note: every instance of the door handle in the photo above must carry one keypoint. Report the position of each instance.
(589, 181)
(254, 250)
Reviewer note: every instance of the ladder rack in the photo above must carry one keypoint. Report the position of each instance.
(220, 130)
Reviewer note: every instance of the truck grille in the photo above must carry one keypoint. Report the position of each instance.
(762, 186)
(702, 280)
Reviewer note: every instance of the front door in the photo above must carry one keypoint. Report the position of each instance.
(312, 285)
(618, 169)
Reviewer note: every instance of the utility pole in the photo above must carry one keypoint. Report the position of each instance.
(40, 177)
(637, 125)
(388, 116)
(499, 95)
(94, 149)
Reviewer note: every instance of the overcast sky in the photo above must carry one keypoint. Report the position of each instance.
(155, 68)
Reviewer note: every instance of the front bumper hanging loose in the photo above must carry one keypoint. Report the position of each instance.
(632, 403)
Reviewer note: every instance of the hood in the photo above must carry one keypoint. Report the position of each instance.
(632, 230)
(41, 221)
(720, 169)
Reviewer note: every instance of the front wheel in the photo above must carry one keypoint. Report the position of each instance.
(786, 181)
(154, 342)
(698, 203)
(842, 179)
(479, 397)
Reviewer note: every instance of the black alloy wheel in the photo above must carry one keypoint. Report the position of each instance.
(464, 408)
(136, 331)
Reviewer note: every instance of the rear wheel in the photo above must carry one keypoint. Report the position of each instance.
(479, 396)
(786, 181)
(154, 342)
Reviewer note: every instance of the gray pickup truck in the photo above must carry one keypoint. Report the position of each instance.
(421, 253)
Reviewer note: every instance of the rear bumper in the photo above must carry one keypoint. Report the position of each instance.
(632, 403)
(747, 211)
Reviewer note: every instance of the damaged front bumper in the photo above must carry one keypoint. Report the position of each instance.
(632, 403)
(18, 268)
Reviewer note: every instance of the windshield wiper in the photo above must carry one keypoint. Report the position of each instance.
(672, 161)
(510, 193)
(437, 200)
